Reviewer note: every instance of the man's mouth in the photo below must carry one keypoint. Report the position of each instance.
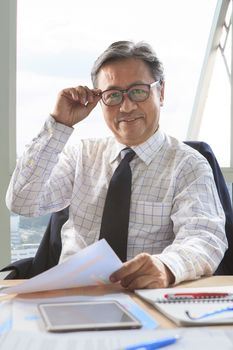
(129, 119)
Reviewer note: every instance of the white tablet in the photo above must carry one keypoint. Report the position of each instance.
(90, 315)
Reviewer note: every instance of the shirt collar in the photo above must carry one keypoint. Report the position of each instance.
(145, 151)
(116, 151)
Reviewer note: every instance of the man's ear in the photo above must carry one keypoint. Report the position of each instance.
(162, 93)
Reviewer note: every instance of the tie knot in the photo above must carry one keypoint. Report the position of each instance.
(128, 154)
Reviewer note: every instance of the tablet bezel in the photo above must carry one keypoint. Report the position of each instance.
(43, 307)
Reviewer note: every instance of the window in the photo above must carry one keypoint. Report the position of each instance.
(212, 105)
(58, 41)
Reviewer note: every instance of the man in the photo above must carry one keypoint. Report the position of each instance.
(176, 222)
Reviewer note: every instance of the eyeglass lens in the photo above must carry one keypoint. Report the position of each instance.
(137, 93)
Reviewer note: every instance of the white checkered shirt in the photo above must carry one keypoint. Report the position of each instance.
(175, 210)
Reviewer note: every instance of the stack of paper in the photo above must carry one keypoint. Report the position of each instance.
(90, 266)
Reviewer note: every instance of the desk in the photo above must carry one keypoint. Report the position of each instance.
(99, 290)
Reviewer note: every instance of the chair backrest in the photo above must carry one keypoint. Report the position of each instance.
(48, 253)
(49, 250)
(226, 265)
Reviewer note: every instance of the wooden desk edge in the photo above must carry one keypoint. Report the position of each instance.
(108, 289)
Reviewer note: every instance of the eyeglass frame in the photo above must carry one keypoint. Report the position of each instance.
(123, 91)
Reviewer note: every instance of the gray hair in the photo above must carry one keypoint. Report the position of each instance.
(128, 49)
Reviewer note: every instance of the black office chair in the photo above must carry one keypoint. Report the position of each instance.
(48, 252)
(226, 265)
(49, 249)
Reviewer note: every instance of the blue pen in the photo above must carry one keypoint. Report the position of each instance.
(210, 314)
(156, 344)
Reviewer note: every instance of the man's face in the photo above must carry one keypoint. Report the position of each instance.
(131, 122)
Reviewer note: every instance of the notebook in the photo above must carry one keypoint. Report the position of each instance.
(192, 306)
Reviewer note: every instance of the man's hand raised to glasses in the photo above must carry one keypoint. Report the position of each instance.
(75, 104)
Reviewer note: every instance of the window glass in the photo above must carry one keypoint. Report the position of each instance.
(215, 127)
(58, 41)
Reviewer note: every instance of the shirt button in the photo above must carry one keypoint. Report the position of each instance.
(30, 162)
(50, 131)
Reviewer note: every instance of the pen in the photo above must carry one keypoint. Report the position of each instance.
(197, 295)
(160, 343)
(209, 314)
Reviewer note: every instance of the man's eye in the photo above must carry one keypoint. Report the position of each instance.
(136, 92)
(113, 95)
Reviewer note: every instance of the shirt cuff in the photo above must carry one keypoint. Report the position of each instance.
(53, 135)
(176, 265)
(54, 127)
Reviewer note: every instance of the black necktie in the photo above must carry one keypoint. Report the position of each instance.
(115, 220)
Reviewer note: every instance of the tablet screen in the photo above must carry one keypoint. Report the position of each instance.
(87, 316)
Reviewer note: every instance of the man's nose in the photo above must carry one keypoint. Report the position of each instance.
(127, 105)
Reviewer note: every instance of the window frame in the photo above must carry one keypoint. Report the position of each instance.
(8, 10)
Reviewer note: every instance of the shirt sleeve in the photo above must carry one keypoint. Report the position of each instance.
(40, 184)
(198, 224)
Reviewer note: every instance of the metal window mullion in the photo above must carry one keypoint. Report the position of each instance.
(223, 47)
(207, 69)
(225, 63)
(227, 28)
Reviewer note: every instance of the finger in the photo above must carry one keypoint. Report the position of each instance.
(89, 95)
(82, 93)
(129, 267)
(97, 92)
(145, 276)
(156, 284)
(79, 94)
(129, 280)
(142, 282)
(72, 94)
(97, 95)
(94, 96)
(69, 94)
(91, 98)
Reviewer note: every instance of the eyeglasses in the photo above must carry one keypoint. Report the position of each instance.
(136, 93)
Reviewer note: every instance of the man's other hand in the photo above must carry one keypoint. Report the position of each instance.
(143, 271)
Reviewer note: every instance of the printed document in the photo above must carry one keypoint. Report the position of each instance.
(191, 339)
(91, 266)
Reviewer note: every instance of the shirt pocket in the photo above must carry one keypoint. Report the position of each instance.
(152, 217)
